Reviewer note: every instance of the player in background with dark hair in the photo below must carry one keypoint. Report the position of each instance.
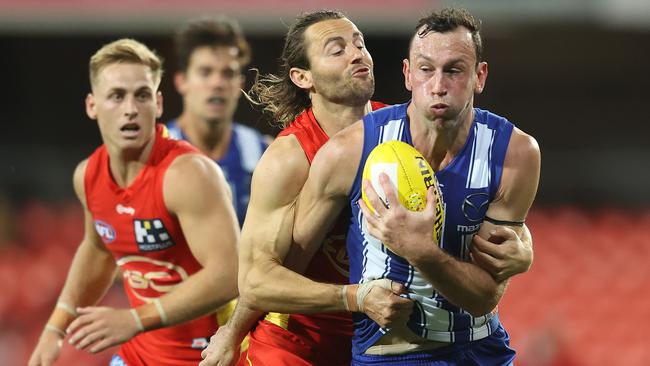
(211, 54)
(157, 209)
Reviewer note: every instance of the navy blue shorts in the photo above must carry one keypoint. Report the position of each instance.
(494, 351)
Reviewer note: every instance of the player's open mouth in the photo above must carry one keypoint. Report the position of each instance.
(217, 101)
(130, 129)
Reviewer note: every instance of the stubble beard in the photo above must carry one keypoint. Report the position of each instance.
(352, 92)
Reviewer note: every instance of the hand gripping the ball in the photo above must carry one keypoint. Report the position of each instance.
(408, 234)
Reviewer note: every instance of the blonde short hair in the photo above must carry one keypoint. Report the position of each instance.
(125, 51)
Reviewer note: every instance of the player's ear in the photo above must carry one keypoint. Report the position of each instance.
(407, 75)
(159, 102)
(91, 110)
(301, 77)
(481, 77)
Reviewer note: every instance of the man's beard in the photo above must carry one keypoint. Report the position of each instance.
(349, 92)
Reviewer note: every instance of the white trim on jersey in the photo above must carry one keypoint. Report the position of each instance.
(479, 168)
(392, 130)
(375, 257)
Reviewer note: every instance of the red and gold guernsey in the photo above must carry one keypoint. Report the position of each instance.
(313, 339)
(150, 249)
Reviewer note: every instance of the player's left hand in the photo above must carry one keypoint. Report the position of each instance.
(223, 349)
(101, 327)
(505, 253)
(407, 233)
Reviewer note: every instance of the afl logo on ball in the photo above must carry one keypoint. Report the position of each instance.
(105, 231)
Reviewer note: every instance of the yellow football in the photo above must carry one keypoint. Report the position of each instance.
(409, 172)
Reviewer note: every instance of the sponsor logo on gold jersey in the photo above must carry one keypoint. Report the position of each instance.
(150, 278)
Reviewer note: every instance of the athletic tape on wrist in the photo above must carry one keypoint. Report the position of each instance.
(357, 293)
(364, 289)
(55, 329)
(68, 309)
(362, 292)
(138, 322)
(161, 312)
(62, 315)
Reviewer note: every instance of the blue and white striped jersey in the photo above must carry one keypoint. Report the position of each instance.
(469, 183)
(246, 148)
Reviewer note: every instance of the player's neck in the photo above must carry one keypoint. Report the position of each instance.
(439, 142)
(126, 164)
(334, 117)
(211, 137)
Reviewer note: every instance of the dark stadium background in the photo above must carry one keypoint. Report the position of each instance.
(574, 78)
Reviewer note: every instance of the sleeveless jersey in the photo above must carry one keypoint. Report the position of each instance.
(244, 151)
(324, 334)
(468, 184)
(149, 247)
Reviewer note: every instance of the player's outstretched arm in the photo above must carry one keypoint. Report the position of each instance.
(91, 273)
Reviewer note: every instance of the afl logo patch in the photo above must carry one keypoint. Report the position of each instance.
(105, 231)
(475, 206)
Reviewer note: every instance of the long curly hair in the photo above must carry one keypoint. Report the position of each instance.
(276, 93)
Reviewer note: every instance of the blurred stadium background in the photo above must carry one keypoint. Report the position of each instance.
(573, 74)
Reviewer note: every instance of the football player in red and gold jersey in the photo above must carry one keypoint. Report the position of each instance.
(157, 209)
(325, 84)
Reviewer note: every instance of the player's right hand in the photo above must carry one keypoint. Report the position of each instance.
(505, 253)
(223, 349)
(47, 350)
(384, 305)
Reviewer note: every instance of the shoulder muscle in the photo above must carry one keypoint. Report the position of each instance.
(520, 177)
(193, 181)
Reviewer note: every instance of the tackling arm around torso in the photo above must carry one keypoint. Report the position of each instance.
(265, 283)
